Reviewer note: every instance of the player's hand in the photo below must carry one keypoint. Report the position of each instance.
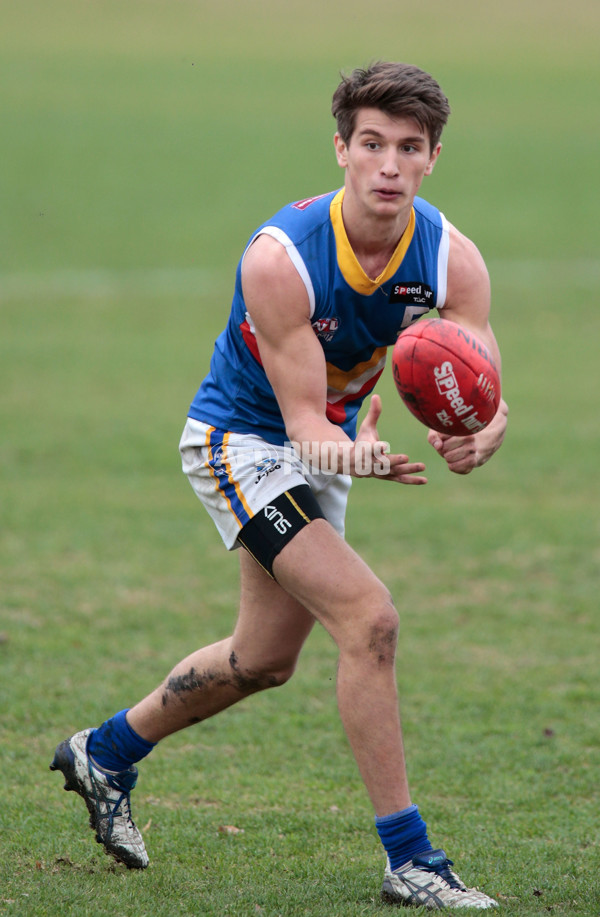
(464, 453)
(372, 455)
(459, 452)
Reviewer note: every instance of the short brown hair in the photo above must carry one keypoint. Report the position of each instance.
(399, 90)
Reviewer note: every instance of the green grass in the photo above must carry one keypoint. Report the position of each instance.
(140, 145)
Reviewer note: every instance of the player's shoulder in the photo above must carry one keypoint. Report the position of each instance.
(464, 255)
(428, 213)
(319, 203)
(468, 275)
(267, 255)
(302, 217)
(266, 259)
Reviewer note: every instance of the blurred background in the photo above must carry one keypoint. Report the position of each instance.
(140, 145)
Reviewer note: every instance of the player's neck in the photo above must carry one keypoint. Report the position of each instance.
(373, 238)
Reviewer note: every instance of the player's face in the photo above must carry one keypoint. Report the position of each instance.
(385, 162)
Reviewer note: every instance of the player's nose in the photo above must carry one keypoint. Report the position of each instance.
(389, 166)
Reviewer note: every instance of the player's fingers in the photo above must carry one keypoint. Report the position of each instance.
(463, 462)
(374, 412)
(438, 440)
(406, 472)
(461, 454)
(462, 467)
(457, 442)
(410, 479)
(398, 459)
(375, 404)
(403, 461)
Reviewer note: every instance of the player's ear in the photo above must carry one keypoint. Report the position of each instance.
(341, 150)
(433, 159)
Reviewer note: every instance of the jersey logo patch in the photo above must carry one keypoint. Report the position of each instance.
(413, 291)
(325, 328)
(302, 205)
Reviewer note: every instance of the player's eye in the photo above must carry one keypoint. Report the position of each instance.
(372, 145)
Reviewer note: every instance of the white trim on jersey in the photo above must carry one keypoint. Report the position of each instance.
(334, 395)
(295, 257)
(442, 263)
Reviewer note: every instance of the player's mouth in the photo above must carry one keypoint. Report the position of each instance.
(388, 194)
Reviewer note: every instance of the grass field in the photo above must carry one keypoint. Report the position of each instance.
(140, 145)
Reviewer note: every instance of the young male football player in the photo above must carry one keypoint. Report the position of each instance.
(323, 289)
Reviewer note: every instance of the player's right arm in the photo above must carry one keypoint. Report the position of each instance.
(293, 359)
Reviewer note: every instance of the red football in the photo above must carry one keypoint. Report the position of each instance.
(446, 377)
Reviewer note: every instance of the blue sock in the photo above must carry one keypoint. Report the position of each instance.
(403, 834)
(115, 746)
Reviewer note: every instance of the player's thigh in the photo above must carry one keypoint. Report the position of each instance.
(329, 579)
(272, 625)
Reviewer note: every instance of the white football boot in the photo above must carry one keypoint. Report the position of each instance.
(107, 798)
(428, 881)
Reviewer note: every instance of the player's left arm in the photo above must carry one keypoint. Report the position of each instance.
(468, 304)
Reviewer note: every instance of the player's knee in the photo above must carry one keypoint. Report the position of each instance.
(377, 635)
(266, 674)
(383, 636)
(281, 673)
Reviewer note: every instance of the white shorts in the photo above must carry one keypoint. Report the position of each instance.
(237, 475)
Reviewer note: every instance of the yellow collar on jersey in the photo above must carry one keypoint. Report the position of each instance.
(347, 262)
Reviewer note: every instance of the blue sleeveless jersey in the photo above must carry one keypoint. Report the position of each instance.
(354, 317)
